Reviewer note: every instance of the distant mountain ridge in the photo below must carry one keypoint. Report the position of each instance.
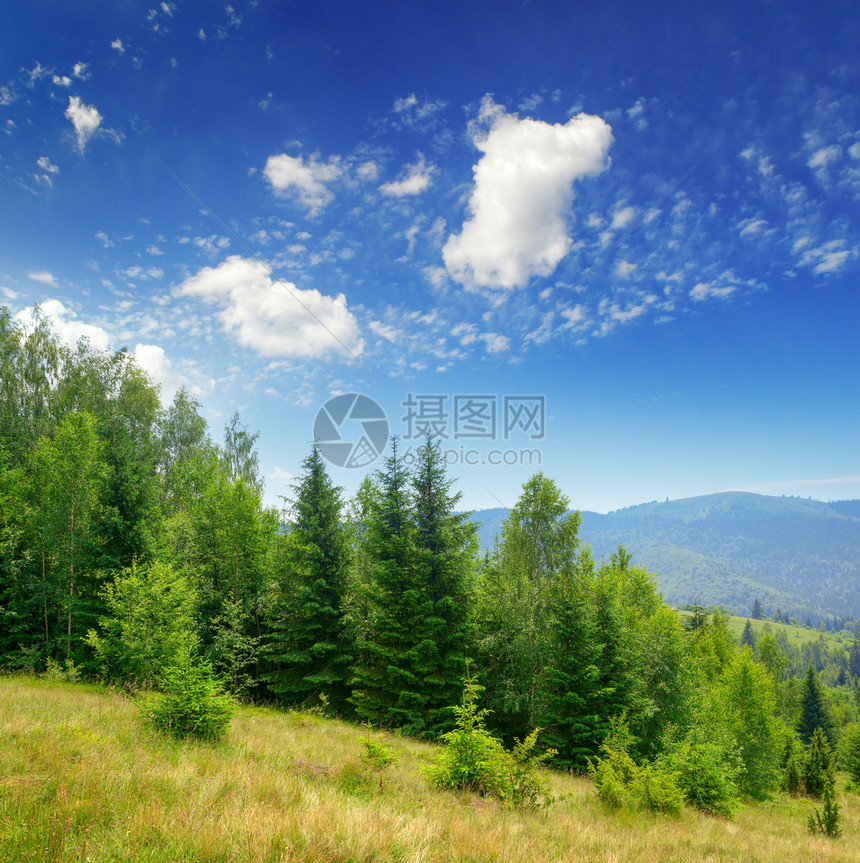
(800, 555)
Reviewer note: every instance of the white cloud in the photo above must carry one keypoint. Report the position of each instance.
(304, 180)
(48, 169)
(822, 157)
(7, 95)
(153, 360)
(622, 218)
(624, 268)
(64, 322)
(64, 81)
(367, 171)
(711, 290)
(826, 258)
(42, 276)
(274, 319)
(750, 227)
(85, 118)
(416, 180)
(81, 71)
(118, 46)
(521, 197)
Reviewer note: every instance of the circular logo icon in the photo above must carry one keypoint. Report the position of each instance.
(351, 430)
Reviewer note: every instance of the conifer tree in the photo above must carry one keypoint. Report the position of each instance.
(386, 686)
(819, 769)
(444, 570)
(813, 708)
(854, 660)
(573, 722)
(748, 638)
(308, 645)
(757, 610)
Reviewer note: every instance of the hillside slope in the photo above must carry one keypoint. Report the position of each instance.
(82, 779)
(802, 556)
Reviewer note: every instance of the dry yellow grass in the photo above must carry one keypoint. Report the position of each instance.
(81, 779)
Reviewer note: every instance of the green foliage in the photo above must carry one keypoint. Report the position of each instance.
(419, 553)
(192, 704)
(517, 645)
(826, 822)
(705, 772)
(746, 701)
(814, 714)
(376, 757)
(151, 610)
(849, 752)
(793, 762)
(621, 782)
(819, 769)
(475, 761)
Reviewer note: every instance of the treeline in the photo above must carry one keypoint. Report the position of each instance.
(131, 543)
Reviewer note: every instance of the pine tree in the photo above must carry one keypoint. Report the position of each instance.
(757, 610)
(813, 708)
(748, 638)
(308, 645)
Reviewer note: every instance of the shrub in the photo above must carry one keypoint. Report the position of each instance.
(377, 757)
(473, 760)
(826, 822)
(192, 704)
(620, 781)
(705, 773)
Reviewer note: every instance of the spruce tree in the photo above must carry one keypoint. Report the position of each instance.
(819, 769)
(574, 725)
(748, 638)
(813, 709)
(308, 646)
(757, 610)
(387, 685)
(444, 569)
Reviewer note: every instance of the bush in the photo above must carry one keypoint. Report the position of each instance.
(192, 704)
(826, 822)
(377, 757)
(473, 760)
(705, 773)
(620, 781)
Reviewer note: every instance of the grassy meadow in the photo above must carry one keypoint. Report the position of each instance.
(82, 779)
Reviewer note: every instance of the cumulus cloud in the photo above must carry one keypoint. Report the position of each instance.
(85, 118)
(274, 319)
(153, 360)
(416, 180)
(65, 323)
(118, 46)
(305, 180)
(522, 195)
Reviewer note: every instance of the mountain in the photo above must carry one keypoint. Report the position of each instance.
(799, 555)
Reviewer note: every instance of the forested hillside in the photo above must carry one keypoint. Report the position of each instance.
(136, 550)
(799, 556)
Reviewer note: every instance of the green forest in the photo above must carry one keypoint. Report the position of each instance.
(136, 550)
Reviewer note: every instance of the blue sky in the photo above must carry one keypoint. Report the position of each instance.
(628, 236)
